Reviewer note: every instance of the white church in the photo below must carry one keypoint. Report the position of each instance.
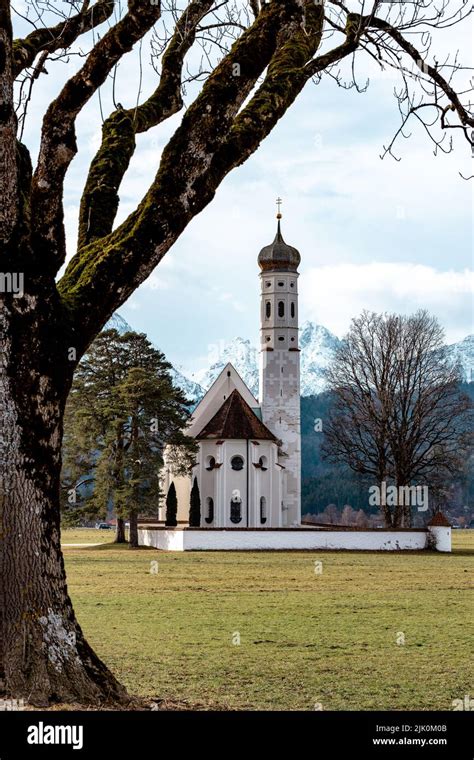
(249, 451)
(248, 464)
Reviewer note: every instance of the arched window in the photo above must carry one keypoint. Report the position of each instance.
(281, 308)
(263, 510)
(292, 309)
(268, 309)
(263, 463)
(235, 510)
(209, 510)
(210, 463)
(237, 463)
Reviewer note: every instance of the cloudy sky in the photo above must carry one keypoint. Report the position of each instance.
(381, 235)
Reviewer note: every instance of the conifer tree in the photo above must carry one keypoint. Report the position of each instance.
(123, 409)
(171, 507)
(195, 506)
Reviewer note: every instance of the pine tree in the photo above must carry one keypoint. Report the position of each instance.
(195, 506)
(123, 409)
(171, 507)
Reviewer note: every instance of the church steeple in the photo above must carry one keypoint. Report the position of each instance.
(279, 360)
(278, 256)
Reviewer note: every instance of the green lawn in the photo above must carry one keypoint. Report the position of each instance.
(305, 638)
(87, 536)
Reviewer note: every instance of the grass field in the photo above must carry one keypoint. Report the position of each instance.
(305, 638)
(87, 536)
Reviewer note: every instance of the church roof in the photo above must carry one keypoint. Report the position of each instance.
(439, 520)
(279, 256)
(228, 381)
(235, 419)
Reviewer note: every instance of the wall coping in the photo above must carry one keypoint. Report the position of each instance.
(347, 529)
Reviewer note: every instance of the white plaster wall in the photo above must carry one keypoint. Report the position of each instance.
(442, 537)
(265, 483)
(242, 540)
(167, 540)
(183, 491)
(207, 478)
(234, 482)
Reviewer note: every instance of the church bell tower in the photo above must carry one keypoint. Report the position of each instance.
(280, 363)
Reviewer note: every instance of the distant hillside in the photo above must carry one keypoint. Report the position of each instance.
(324, 483)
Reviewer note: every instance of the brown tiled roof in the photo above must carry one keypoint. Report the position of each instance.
(235, 419)
(440, 520)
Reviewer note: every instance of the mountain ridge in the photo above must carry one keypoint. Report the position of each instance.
(317, 345)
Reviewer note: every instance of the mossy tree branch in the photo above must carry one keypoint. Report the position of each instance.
(286, 76)
(284, 37)
(58, 140)
(214, 137)
(59, 37)
(99, 202)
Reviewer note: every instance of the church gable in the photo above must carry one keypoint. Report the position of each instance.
(222, 388)
(235, 420)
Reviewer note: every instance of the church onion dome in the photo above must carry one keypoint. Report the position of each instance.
(236, 420)
(279, 257)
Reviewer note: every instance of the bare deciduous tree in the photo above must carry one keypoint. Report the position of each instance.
(398, 414)
(252, 61)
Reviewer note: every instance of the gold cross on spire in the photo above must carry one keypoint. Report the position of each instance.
(279, 202)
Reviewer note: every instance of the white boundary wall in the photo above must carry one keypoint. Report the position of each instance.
(291, 539)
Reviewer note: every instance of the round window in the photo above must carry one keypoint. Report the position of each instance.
(237, 463)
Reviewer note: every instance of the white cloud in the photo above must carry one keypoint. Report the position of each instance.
(332, 295)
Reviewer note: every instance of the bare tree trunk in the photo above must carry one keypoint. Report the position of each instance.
(387, 515)
(407, 516)
(44, 655)
(384, 508)
(133, 534)
(120, 531)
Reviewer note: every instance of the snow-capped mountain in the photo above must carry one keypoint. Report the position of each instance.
(193, 391)
(116, 322)
(462, 353)
(238, 352)
(317, 346)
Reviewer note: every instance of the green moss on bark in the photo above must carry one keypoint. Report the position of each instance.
(208, 144)
(100, 198)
